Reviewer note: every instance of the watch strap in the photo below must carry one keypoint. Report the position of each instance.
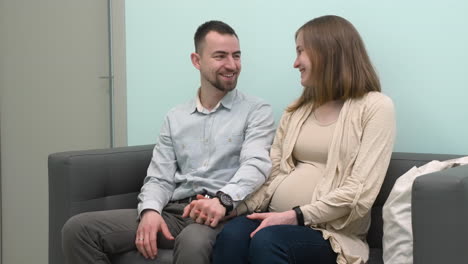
(299, 215)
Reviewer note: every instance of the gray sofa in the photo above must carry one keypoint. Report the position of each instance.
(81, 181)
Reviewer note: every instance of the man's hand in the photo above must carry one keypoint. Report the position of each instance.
(205, 211)
(151, 223)
(270, 219)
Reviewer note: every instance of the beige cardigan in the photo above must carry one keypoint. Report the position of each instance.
(358, 159)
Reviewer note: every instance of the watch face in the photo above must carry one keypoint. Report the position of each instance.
(225, 199)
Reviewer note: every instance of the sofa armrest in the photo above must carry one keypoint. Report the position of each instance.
(92, 180)
(440, 217)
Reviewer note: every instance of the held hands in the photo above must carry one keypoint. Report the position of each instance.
(205, 211)
(151, 223)
(270, 219)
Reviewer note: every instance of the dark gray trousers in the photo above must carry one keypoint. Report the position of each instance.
(92, 237)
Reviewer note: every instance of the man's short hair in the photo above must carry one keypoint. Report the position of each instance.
(213, 25)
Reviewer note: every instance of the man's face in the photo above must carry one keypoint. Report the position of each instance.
(219, 61)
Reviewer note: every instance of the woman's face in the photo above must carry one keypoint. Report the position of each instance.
(302, 62)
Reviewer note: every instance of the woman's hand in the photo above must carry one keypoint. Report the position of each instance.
(270, 219)
(232, 214)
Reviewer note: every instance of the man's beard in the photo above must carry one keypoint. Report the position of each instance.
(218, 84)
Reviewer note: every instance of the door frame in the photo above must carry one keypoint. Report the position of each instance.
(119, 74)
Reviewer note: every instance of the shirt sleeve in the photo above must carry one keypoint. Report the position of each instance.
(254, 201)
(255, 163)
(159, 184)
(355, 196)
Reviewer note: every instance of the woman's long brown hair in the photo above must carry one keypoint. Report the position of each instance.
(341, 68)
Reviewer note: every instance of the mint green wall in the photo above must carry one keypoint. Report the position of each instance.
(419, 48)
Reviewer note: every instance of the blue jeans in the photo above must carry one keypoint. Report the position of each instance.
(273, 244)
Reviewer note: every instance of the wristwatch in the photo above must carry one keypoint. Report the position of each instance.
(225, 201)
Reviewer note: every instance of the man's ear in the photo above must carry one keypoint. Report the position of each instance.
(195, 57)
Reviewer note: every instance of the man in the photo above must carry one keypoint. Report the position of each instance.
(217, 144)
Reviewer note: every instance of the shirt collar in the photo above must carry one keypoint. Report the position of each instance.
(226, 102)
(228, 99)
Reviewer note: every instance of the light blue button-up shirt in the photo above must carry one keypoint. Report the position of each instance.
(224, 150)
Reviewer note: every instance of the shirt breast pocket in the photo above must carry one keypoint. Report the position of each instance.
(230, 139)
(229, 144)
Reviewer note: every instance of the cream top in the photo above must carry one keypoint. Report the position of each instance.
(357, 161)
(310, 154)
